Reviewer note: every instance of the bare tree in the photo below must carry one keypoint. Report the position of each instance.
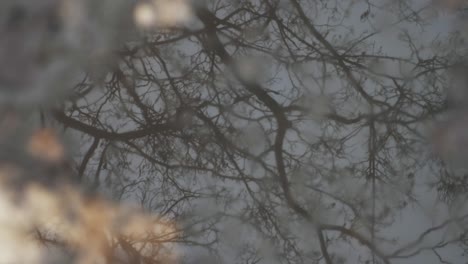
(274, 131)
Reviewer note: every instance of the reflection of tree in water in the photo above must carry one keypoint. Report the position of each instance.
(269, 131)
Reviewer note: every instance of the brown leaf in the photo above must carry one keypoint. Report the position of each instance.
(45, 145)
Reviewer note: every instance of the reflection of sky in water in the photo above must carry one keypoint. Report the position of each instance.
(409, 224)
